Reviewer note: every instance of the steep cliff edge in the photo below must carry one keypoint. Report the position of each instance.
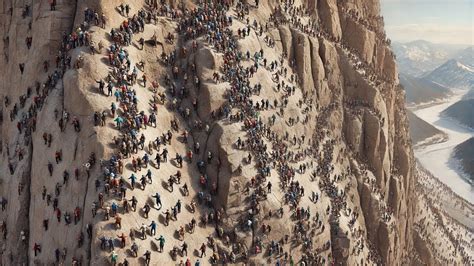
(303, 96)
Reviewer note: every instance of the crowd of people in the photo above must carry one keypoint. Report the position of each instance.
(287, 155)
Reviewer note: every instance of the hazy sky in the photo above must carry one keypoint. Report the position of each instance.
(439, 21)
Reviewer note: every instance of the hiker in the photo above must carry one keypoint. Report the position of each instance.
(158, 200)
(133, 178)
(122, 238)
(161, 239)
(146, 210)
(203, 250)
(153, 228)
(147, 257)
(36, 248)
(134, 249)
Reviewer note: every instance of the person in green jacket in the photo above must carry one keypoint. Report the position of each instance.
(162, 242)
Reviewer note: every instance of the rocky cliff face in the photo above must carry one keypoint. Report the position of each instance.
(335, 123)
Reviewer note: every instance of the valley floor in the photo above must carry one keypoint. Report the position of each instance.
(437, 157)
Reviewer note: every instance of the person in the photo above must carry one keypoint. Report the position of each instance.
(77, 215)
(134, 202)
(185, 189)
(203, 249)
(146, 209)
(122, 238)
(143, 231)
(147, 257)
(161, 239)
(170, 183)
(113, 257)
(149, 176)
(184, 248)
(4, 202)
(118, 222)
(133, 178)
(178, 206)
(158, 200)
(134, 249)
(45, 224)
(36, 248)
(153, 228)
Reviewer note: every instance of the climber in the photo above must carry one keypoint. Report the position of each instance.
(158, 200)
(52, 4)
(167, 217)
(36, 248)
(122, 238)
(147, 257)
(161, 239)
(153, 228)
(50, 168)
(203, 250)
(4, 202)
(185, 190)
(133, 178)
(77, 215)
(178, 206)
(118, 222)
(58, 156)
(146, 210)
(184, 249)
(149, 175)
(170, 183)
(113, 257)
(134, 249)
(134, 202)
(158, 160)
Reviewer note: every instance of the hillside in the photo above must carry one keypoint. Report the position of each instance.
(214, 132)
(453, 74)
(469, 95)
(464, 153)
(423, 133)
(420, 90)
(462, 112)
(466, 56)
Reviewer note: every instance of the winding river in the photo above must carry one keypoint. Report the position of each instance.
(437, 157)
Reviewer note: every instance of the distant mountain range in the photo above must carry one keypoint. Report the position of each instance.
(429, 71)
(464, 152)
(417, 58)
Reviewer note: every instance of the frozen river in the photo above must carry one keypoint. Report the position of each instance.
(436, 157)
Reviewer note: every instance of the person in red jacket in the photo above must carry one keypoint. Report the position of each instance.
(77, 215)
(37, 248)
(58, 215)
